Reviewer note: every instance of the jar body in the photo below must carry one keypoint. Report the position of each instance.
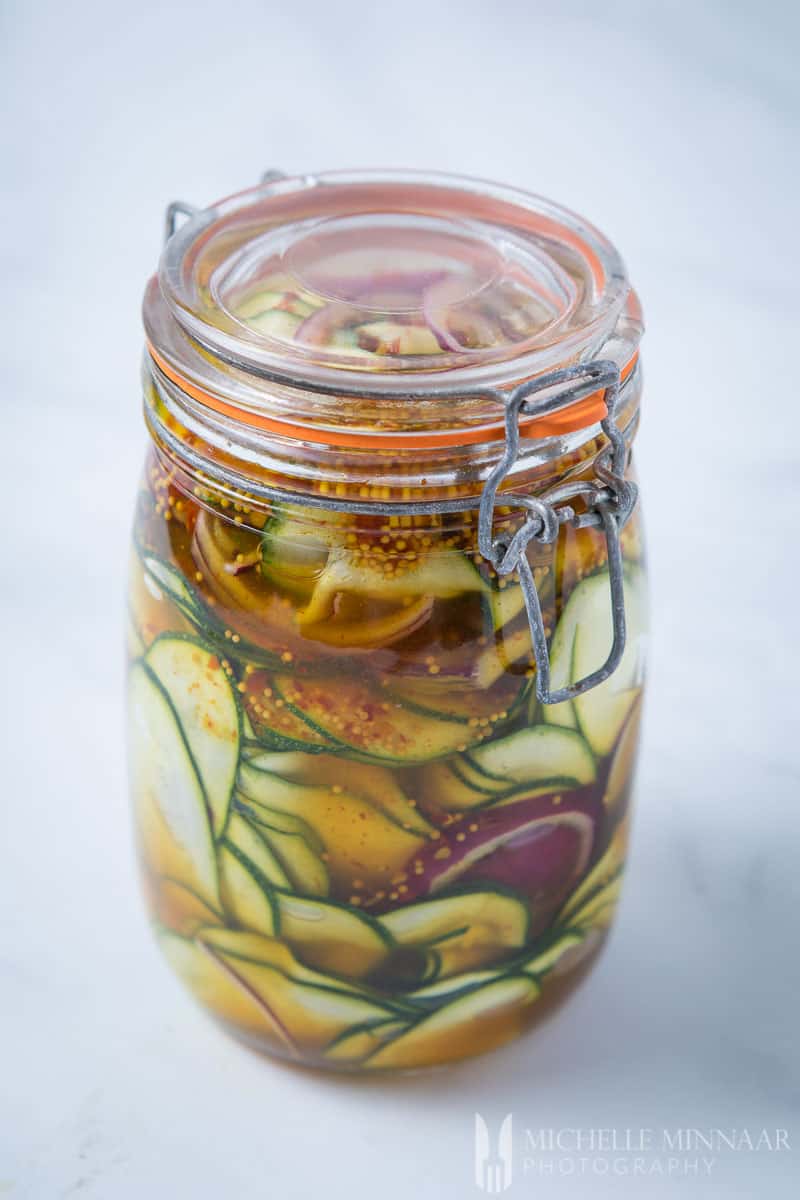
(365, 844)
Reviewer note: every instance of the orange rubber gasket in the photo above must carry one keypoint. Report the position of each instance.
(579, 415)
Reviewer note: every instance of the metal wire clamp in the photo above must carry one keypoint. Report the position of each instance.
(608, 502)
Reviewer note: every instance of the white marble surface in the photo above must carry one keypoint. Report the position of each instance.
(675, 127)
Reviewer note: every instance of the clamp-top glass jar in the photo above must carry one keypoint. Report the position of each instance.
(386, 612)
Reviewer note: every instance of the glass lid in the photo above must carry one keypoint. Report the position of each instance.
(384, 281)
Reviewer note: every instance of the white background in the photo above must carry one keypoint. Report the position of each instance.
(674, 126)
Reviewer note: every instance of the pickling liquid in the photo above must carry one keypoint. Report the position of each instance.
(365, 844)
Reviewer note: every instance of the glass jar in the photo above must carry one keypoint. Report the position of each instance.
(387, 611)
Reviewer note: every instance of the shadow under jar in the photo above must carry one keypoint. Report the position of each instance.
(387, 612)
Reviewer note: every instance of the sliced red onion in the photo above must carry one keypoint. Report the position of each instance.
(318, 329)
(539, 846)
(356, 287)
(432, 305)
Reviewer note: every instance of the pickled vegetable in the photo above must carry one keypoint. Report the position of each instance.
(365, 843)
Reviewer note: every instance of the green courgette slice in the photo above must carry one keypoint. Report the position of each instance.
(247, 896)
(368, 723)
(246, 839)
(379, 786)
(441, 576)
(173, 819)
(468, 1024)
(311, 1008)
(358, 1043)
(203, 699)
(581, 644)
(467, 930)
(534, 756)
(331, 937)
(360, 842)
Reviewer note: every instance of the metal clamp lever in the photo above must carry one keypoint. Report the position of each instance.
(609, 503)
(178, 208)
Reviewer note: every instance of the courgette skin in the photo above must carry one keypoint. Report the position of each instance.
(207, 710)
(371, 725)
(172, 812)
(581, 644)
(455, 575)
(294, 552)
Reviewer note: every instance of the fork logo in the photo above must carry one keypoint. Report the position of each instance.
(493, 1169)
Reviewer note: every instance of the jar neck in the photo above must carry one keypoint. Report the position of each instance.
(211, 448)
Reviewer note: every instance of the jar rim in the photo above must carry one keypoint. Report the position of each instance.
(259, 382)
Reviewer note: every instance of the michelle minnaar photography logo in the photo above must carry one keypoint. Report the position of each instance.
(501, 1155)
(494, 1156)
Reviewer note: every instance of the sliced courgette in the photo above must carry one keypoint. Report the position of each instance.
(276, 322)
(173, 820)
(203, 699)
(582, 643)
(451, 786)
(470, 1024)
(445, 990)
(159, 600)
(357, 1043)
(219, 990)
(228, 558)
(367, 723)
(506, 601)
(445, 785)
(531, 761)
(545, 961)
(370, 631)
(623, 764)
(294, 551)
(164, 579)
(442, 576)
(309, 1007)
(377, 785)
(275, 724)
(245, 838)
(604, 874)
(467, 930)
(473, 706)
(177, 908)
(245, 893)
(260, 303)
(361, 843)
(535, 756)
(332, 938)
(597, 912)
(510, 653)
(293, 843)
(390, 337)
